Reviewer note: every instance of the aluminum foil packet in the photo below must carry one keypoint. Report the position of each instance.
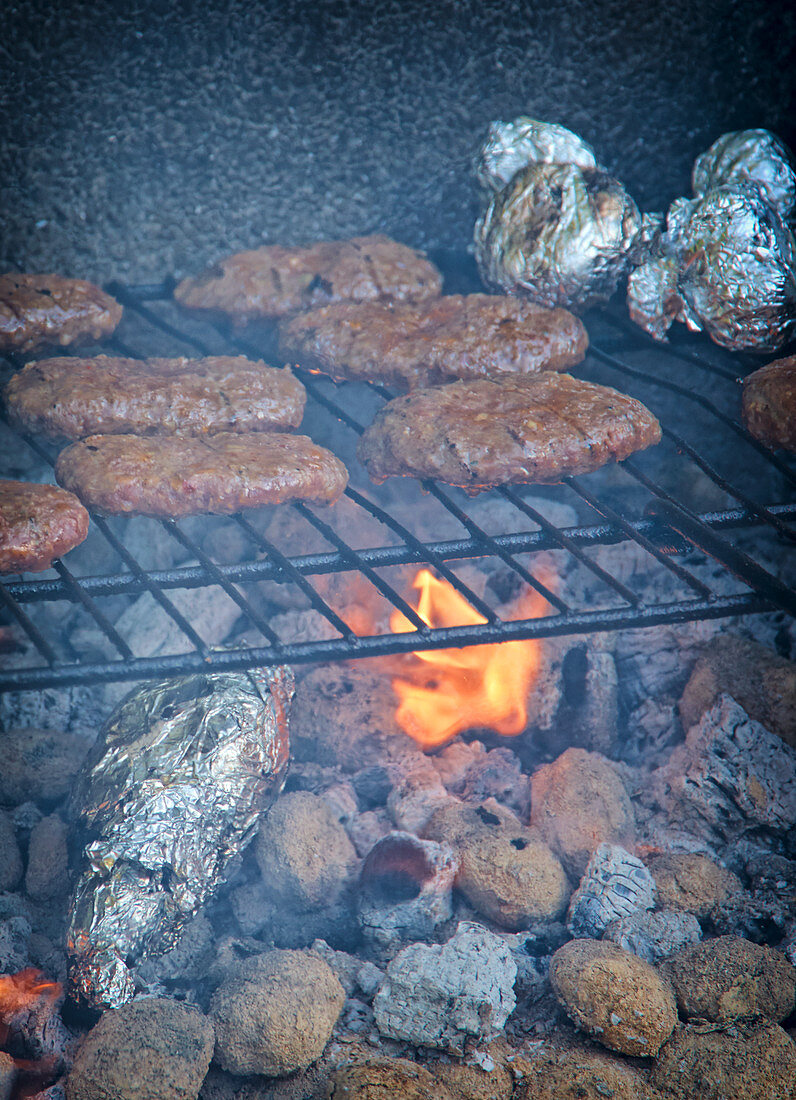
(744, 156)
(510, 146)
(559, 234)
(172, 791)
(724, 265)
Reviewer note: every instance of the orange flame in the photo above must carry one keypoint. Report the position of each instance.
(481, 687)
(19, 990)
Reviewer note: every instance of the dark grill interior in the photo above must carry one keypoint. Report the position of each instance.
(687, 504)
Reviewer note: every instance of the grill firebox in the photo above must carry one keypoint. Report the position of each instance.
(686, 504)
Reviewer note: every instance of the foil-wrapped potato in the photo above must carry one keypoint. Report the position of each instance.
(745, 156)
(558, 233)
(171, 792)
(725, 266)
(510, 146)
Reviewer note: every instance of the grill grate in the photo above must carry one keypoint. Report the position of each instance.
(651, 501)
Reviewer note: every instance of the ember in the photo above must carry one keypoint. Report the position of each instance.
(31, 1029)
(482, 687)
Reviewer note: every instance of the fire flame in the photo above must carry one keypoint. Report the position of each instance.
(17, 991)
(480, 687)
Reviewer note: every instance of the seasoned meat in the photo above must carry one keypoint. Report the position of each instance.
(532, 428)
(38, 311)
(68, 398)
(472, 336)
(38, 523)
(769, 404)
(275, 281)
(168, 475)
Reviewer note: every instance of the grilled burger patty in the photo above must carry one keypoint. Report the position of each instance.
(38, 311)
(170, 475)
(38, 523)
(530, 428)
(769, 404)
(69, 398)
(439, 340)
(275, 281)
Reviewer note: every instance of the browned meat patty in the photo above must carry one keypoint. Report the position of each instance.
(769, 404)
(423, 344)
(169, 475)
(68, 398)
(275, 281)
(533, 428)
(38, 523)
(38, 311)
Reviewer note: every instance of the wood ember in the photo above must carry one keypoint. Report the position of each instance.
(615, 884)
(440, 996)
(405, 891)
(30, 1021)
(761, 682)
(654, 936)
(732, 776)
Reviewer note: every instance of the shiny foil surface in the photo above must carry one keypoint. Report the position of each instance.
(559, 234)
(172, 791)
(510, 146)
(750, 155)
(725, 266)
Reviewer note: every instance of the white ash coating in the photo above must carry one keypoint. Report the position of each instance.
(654, 936)
(615, 885)
(732, 776)
(438, 996)
(405, 892)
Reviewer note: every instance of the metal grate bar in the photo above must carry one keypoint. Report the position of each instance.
(683, 520)
(491, 548)
(740, 564)
(615, 517)
(355, 561)
(107, 628)
(30, 628)
(154, 590)
(602, 534)
(383, 644)
(286, 566)
(564, 542)
(703, 402)
(757, 509)
(192, 547)
(128, 299)
(643, 338)
(668, 528)
(430, 555)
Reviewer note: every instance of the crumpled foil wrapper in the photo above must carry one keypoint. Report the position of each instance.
(510, 146)
(172, 791)
(750, 155)
(559, 234)
(725, 266)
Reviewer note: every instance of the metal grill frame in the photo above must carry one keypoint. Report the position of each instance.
(667, 530)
